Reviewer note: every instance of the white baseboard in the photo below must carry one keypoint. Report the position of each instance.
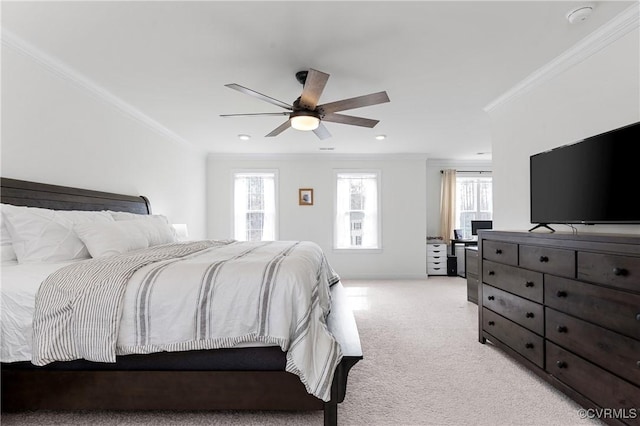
(384, 277)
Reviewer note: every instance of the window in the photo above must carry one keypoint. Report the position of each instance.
(357, 224)
(254, 195)
(474, 201)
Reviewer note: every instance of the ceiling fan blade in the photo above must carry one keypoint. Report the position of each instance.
(357, 102)
(349, 119)
(255, 114)
(322, 132)
(313, 87)
(281, 128)
(259, 95)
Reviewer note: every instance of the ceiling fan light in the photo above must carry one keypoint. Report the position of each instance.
(304, 122)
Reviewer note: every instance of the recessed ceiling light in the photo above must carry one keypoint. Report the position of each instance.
(381, 137)
(244, 137)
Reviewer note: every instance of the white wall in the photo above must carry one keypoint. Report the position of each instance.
(403, 208)
(599, 94)
(56, 132)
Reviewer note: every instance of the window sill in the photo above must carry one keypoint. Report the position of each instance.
(357, 250)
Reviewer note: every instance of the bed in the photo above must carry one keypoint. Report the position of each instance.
(239, 377)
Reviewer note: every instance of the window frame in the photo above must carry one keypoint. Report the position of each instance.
(355, 249)
(469, 175)
(276, 201)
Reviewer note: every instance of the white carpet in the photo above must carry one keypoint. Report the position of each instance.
(423, 366)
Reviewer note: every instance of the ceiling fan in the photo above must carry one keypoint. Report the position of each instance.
(306, 114)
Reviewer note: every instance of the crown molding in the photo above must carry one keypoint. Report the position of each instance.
(625, 22)
(459, 164)
(315, 157)
(62, 70)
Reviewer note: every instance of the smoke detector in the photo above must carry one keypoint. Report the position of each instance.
(580, 14)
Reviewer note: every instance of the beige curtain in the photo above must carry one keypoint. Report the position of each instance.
(448, 204)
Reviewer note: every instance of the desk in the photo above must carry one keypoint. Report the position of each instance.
(465, 242)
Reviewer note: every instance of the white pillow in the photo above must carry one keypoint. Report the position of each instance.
(44, 235)
(108, 239)
(135, 216)
(121, 216)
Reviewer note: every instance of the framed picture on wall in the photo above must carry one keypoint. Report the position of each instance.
(305, 197)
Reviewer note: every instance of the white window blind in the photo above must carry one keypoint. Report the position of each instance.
(357, 222)
(254, 206)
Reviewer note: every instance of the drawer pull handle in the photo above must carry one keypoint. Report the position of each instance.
(529, 315)
(492, 272)
(529, 345)
(498, 251)
(620, 272)
(529, 284)
(492, 323)
(561, 329)
(491, 298)
(544, 259)
(561, 293)
(561, 364)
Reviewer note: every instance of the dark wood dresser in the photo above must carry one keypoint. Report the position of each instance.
(567, 307)
(473, 266)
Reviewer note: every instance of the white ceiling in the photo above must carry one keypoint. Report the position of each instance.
(440, 63)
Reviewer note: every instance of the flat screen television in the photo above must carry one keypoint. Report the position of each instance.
(592, 181)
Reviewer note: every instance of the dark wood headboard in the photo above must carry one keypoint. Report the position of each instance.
(34, 194)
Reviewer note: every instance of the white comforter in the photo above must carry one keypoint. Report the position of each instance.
(20, 284)
(220, 296)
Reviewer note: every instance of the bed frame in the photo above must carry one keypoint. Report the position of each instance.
(37, 388)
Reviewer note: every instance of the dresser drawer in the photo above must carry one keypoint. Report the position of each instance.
(611, 270)
(500, 252)
(519, 310)
(437, 263)
(526, 343)
(520, 281)
(612, 351)
(437, 249)
(437, 270)
(600, 386)
(437, 259)
(614, 309)
(544, 259)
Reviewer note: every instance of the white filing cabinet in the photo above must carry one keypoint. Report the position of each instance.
(436, 259)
